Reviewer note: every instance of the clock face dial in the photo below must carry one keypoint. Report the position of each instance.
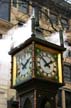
(24, 64)
(46, 63)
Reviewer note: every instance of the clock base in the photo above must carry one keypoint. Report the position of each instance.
(37, 92)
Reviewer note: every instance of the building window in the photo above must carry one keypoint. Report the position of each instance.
(68, 99)
(69, 53)
(64, 23)
(15, 3)
(53, 19)
(0, 36)
(37, 16)
(67, 72)
(21, 5)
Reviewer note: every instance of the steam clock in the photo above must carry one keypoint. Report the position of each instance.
(36, 73)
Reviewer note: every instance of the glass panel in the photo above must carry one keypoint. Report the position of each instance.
(64, 23)
(37, 16)
(23, 6)
(67, 72)
(69, 53)
(53, 18)
(68, 99)
(47, 105)
(14, 3)
(0, 36)
(27, 104)
(5, 9)
(24, 65)
(59, 103)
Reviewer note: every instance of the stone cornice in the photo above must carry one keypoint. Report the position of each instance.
(5, 26)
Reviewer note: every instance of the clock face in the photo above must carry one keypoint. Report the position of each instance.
(46, 63)
(24, 64)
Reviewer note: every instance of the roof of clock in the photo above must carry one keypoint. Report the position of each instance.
(38, 41)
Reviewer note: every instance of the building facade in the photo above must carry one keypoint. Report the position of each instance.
(49, 19)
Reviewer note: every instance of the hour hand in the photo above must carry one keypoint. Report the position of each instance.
(48, 64)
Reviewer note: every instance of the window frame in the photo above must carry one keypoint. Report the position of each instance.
(67, 102)
(19, 4)
(67, 78)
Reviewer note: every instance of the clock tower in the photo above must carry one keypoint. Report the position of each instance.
(36, 73)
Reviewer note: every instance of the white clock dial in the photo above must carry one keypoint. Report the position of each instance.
(24, 63)
(46, 63)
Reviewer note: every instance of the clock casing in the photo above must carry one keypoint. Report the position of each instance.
(22, 65)
(36, 59)
(48, 63)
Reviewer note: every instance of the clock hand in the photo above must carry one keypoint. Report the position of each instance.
(24, 65)
(44, 60)
(47, 63)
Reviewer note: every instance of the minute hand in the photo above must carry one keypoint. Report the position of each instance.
(47, 63)
(24, 65)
